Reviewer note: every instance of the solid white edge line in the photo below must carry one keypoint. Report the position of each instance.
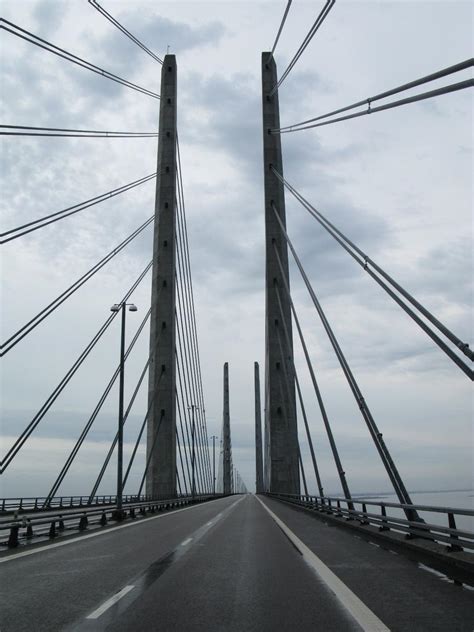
(368, 621)
(49, 547)
(110, 602)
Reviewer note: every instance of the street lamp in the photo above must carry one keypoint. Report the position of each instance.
(214, 462)
(117, 307)
(192, 408)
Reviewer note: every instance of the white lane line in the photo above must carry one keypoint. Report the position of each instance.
(187, 541)
(208, 524)
(49, 547)
(367, 620)
(110, 602)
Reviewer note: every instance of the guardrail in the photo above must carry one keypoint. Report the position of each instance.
(50, 524)
(356, 509)
(40, 503)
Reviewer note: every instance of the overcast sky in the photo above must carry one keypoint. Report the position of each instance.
(398, 183)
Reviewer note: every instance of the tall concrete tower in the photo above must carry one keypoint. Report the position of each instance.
(161, 429)
(281, 437)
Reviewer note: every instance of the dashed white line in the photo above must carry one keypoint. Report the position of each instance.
(110, 602)
(187, 541)
(50, 547)
(367, 620)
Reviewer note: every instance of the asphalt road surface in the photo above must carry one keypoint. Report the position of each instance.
(239, 564)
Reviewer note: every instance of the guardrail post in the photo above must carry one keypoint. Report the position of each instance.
(60, 523)
(52, 530)
(364, 511)
(103, 519)
(13, 537)
(383, 527)
(454, 538)
(83, 522)
(29, 529)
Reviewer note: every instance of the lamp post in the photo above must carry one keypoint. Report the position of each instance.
(214, 463)
(192, 408)
(117, 307)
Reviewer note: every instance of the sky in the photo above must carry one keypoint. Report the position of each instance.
(397, 183)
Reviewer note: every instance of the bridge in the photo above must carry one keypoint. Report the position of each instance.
(171, 529)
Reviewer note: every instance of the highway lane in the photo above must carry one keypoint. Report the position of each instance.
(243, 574)
(51, 589)
(406, 596)
(227, 565)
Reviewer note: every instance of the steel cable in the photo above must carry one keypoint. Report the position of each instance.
(126, 32)
(16, 30)
(464, 65)
(28, 327)
(10, 455)
(282, 24)
(29, 227)
(69, 133)
(311, 33)
(69, 461)
(367, 263)
(385, 456)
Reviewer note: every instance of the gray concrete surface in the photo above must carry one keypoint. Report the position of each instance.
(223, 565)
(406, 596)
(281, 439)
(161, 424)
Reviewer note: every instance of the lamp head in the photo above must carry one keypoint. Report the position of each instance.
(115, 308)
(132, 308)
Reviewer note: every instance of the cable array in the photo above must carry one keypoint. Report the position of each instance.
(188, 362)
(27, 432)
(16, 30)
(41, 222)
(27, 130)
(461, 85)
(311, 33)
(28, 327)
(117, 24)
(386, 282)
(282, 24)
(376, 435)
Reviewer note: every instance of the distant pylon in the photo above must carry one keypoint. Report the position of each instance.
(258, 434)
(227, 447)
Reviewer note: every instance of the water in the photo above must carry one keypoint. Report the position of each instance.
(454, 499)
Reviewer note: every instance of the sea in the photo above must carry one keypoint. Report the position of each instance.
(456, 499)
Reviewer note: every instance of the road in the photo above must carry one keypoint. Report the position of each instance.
(239, 563)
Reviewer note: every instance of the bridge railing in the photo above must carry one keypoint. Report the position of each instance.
(50, 524)
(42, 503)
(377, 514)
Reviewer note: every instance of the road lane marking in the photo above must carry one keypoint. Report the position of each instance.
(110, 602)
(187, 541)
(49, 547)
(368, 621)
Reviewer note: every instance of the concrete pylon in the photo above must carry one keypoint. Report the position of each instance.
(161, 428)
(258, 434)
(281, 437)
(227, 446)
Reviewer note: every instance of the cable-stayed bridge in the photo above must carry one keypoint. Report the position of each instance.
(178, 543)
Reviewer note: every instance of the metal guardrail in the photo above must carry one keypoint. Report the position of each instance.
(40, 503)
(356, 509)
(50, 524)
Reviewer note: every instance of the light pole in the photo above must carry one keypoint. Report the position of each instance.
(117, 308)
(192, 408)
(214, 463)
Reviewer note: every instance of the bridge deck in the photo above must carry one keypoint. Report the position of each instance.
(223, 565)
